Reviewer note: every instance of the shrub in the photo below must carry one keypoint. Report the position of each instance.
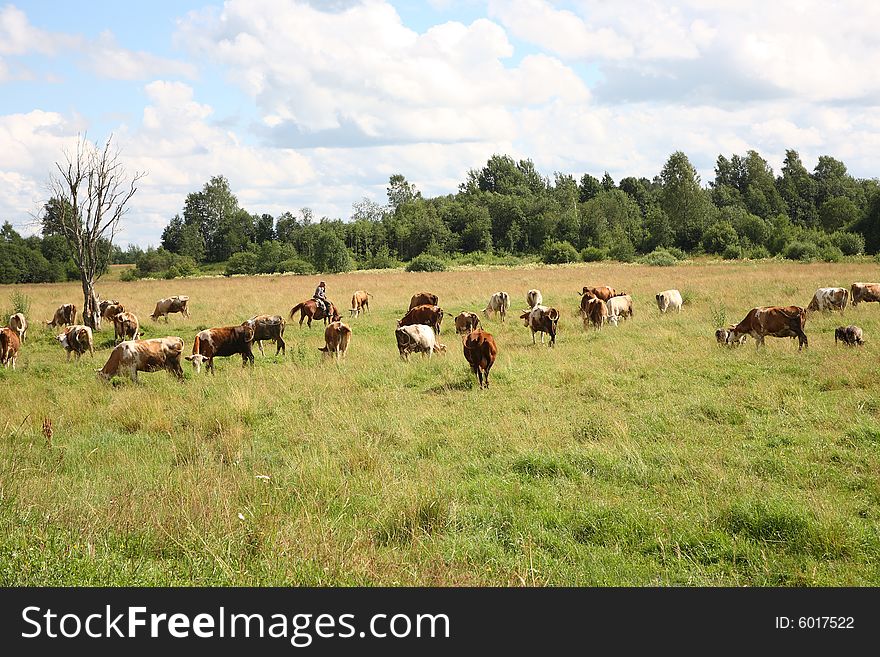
(659, 257)
(800, 250)
(296, 266)
(556, 253)
(21, 303)
(623, 251)
(426, 262)
(594, 254)
(849, 243)
(732, 252)
(128, 275)
(243, 262)
(758, 253)
(830, 253)
(719, 237)
(677, 253)
(183, 266)
(381, 260)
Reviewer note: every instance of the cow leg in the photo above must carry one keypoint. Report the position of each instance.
(260, 345)
(802, 340)
(280, 346)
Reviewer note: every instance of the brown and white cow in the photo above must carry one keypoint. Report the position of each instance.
(465, 322)
(594, 311)
(9, 346)
(77, 339)
(499, 304)
(417, 338)
(268, 327)
(65, 315)
(18, 323)
(360, 302)
(859, 292)
(600, 292)
(223, 341)
(775, 321)
(850, 335)
(337, 337)
(534, 298)
(423, 299)
(152, 355)
(828, 298)
(109, 309)
(542, 319)
(480, 352)
(126, 326)
(175, 304)
(425, 314)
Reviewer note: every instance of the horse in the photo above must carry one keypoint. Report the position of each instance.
(309, 310)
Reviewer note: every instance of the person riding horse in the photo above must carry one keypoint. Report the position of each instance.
(320, 296)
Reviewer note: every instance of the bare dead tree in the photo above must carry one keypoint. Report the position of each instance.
(97, 189)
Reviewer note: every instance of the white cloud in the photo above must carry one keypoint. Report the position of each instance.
(108, 59)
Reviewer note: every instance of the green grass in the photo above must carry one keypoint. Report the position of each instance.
(638, 455)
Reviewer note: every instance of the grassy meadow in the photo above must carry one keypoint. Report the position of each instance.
(638, 455)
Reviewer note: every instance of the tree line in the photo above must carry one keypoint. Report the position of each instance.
(506, 210)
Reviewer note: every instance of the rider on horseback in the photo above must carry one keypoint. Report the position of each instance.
(320, 297)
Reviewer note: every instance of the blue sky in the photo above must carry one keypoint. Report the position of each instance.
(315, 104)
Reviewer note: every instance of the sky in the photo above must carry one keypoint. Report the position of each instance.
(316, 103)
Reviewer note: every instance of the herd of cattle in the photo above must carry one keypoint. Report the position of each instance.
(416, 331)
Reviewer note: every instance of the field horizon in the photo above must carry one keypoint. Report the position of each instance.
(643, 454)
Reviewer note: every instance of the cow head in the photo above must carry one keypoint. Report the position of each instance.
(102, 376)
(440, 349)
(613, 319)
(63, 339)
(721, 336)
(525, 317)
(197, 360)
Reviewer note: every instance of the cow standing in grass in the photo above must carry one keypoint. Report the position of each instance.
(65, 315)
(417, 338)
(9, 346)
(428, 315)
(175, 304)
(268, 327)
(775, 321)
(126, 326)
(542, 319)
(152, 355)
(668, 300)
(828, 298)
(337, 337)
(864, 292)
(77, 339)
(224, 341)
(534, 298)
(18, 323)
(423, 299)
(465, 322)
(360, 302)
(499, 303)
(480, 352)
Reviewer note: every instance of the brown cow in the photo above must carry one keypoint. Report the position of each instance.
(152, 355)
(126, 326)
(423, 299)
(9, 346)
(18, 323)
(601, 292)
(480, 351)
(594, 311)
(224, 341)
(864, 292)
(65, 315)
(175, 304)
(465, 322)
(268, 327)
(427, 315)
(850, 335)
(110, 309)
(775, 321)
(337, 337)
(542, 319)
(360, 302)
(77, 339)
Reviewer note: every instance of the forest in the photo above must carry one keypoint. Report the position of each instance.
(505, 212)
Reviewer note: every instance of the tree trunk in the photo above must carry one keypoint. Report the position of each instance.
(90, 312)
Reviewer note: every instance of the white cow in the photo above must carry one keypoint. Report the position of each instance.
(669, 300)
(829, 298)
(534, 298)
(417, 338)
(499, 303)
(619, 306)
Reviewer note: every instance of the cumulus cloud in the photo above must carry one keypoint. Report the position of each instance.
(108, 59)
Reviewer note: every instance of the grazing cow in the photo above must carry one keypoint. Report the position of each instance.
(499, 303)
(225, 341)
(669, 300)
(601, 292)
(534, 298)
(126, 326)
(65, 315)
(850, 335)
(417, 338)
(864, 292)
(724, 336)
(102, 306)
(620, 305)
(465, 322)
(423, 299)
(337, 337)
(152, 355)
(360, 302)
(427, 315)
(775, 321)
(18, 323)
(77, 339)
(268, 327)
(109, 310)
(542, 319)
(593, 311)
(175, 304)
(9, 346)
(828, 298)
(480, 351)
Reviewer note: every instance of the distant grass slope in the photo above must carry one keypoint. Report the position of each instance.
(637, 455)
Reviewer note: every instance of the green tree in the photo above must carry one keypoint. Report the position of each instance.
(684, 201)
(838, 212)
(400, 191)
(331, 255)
(264, 228)
(588, 187)
(798, 189)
